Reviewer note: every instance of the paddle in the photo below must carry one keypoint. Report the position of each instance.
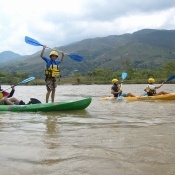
(33, 42)
(172, 77)
(22, 82)
(124, 75)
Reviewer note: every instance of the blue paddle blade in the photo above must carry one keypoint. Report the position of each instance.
(170, 78)
(124, 75)
(31, 41)
(144, 94)
(26, 80)
(119, 97)
(75, 57)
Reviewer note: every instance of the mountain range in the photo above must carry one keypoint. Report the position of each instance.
(144, 49)
(7, 56)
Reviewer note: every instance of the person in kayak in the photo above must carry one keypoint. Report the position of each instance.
(151, 88)
(7, 99)
(7, 94)
(51, 72)
(116, 90)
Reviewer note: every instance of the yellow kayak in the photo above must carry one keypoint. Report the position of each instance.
(170, 96)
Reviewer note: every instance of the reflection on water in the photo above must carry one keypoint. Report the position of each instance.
(52, 132)
(109, 137)
(51, 125)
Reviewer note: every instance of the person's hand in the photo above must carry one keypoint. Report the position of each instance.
(44, 46)
(62, 54)
(13, 87)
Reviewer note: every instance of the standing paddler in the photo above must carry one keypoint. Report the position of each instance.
(51, 72)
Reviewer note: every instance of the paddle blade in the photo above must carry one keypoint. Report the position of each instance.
(170, 78)
(124, 75)
(119, 97)
(75, 57)
(31, 41)
(26, 80)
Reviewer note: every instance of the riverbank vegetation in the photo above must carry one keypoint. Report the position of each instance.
(98, 76)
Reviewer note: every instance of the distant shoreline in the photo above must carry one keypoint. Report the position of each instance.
(80, 81)
(75, 84)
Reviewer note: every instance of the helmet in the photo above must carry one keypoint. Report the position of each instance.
(53, 53)
(114, 81)
(151, 80)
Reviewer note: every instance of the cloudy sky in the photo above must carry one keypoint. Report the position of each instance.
(60, 22)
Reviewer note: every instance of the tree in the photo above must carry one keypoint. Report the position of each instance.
(169, 68)
(126, 64)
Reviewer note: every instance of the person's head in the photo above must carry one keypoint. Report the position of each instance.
(151, 81)
(114, 81)
(53, 55)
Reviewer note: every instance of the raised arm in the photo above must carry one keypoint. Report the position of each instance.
(12, 91)
(62, 57)
(42, 52)
(157, 87)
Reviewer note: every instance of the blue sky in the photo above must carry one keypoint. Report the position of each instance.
(56, 22)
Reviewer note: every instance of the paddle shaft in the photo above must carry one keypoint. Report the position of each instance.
(124, 75)
(57, 50)
(22, 82)
(10, 87)
(36, 43)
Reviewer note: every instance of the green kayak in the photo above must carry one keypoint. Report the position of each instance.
(56, 106)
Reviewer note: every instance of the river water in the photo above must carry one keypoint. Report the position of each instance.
(108, 138)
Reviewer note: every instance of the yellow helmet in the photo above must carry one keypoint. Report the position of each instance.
(53, 53)
(114, 81)
(151, 80)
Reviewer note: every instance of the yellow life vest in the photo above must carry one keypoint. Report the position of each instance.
(1, 95)
(150, 91)
(52, 71)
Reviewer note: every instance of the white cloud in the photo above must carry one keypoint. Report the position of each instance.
(57, 22)
(152, 21)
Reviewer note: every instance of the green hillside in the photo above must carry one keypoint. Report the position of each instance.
(145, 49)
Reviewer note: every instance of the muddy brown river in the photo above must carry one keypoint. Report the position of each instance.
(108, 138)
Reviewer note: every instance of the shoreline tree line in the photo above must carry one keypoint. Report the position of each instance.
(98, 76)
